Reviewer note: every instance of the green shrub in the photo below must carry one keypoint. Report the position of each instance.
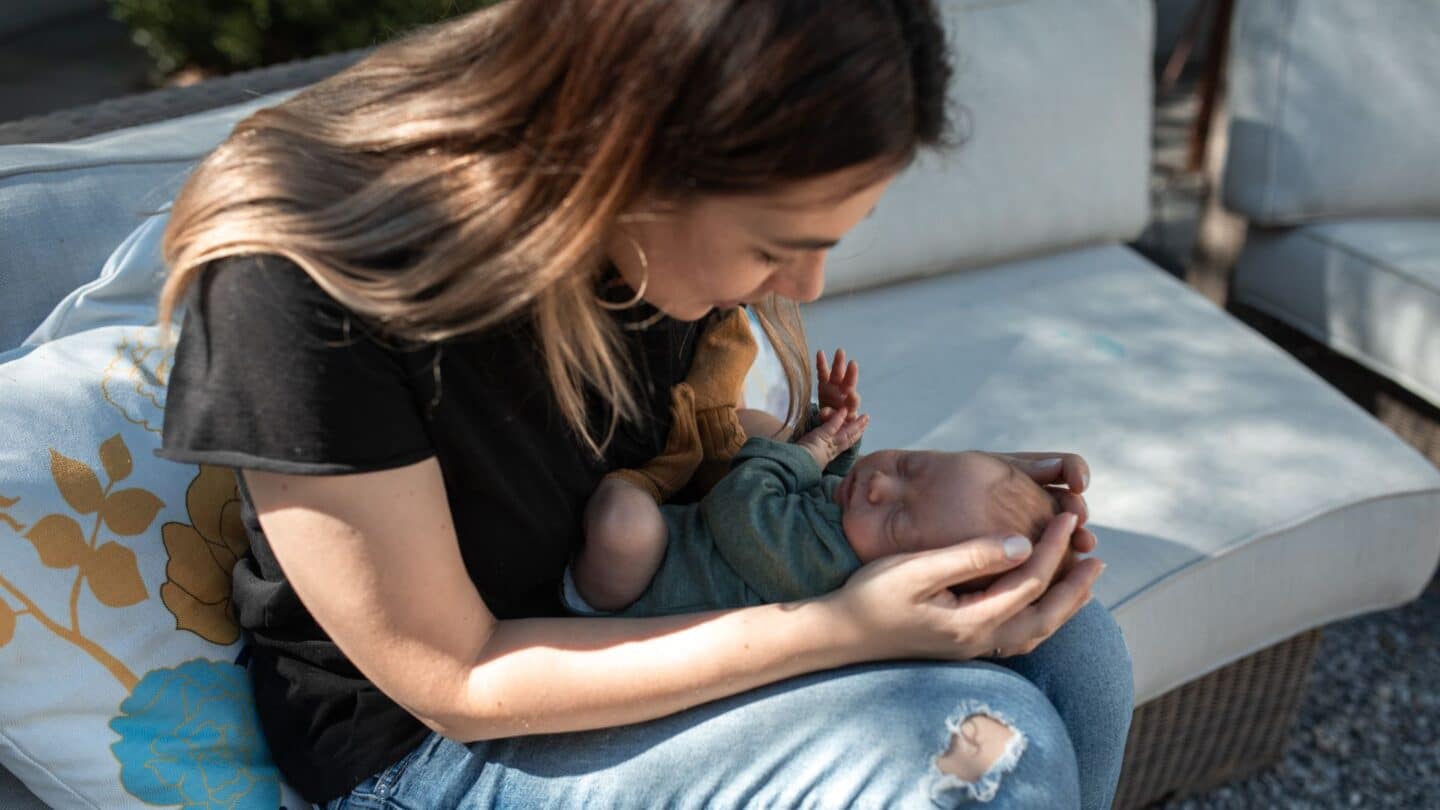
(221, 36)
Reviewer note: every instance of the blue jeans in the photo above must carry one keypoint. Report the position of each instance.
(860, 736)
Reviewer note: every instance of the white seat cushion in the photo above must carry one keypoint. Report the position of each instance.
(1238, 498)
(1369, 289)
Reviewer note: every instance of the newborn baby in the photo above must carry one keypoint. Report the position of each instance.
(791, 521)
(896, 500)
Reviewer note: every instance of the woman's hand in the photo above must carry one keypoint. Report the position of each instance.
(1065, 476)
(902, 606)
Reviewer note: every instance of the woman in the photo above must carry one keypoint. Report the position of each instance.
(432, 300)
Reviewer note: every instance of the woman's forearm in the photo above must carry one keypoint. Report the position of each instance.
(537, 676)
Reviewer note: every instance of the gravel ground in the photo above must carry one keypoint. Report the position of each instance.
(1368, 732)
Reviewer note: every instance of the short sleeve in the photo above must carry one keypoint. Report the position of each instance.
(272, 374)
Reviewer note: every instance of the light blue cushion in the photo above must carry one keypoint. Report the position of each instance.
(125, 293)
(1369, 289)
(64, 207)
(1334, 110)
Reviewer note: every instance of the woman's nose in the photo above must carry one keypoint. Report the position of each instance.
(805, 281)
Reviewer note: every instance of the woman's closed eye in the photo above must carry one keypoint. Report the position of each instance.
(769, 259)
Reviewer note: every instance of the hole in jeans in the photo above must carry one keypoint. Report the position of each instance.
(983, 746)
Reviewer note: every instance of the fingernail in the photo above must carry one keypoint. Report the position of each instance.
(1016, 547)
(1049, 462)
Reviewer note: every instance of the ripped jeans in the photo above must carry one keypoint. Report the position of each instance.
(1044, 730)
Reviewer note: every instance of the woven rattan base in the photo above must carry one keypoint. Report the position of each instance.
(1226, 725)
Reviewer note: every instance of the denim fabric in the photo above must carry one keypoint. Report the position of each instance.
(860, 736)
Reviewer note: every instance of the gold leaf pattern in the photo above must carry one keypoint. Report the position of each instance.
(7, 624)
(202, 554)
(15, 525)
(115, 457)
(130, 511)
(211, 622)
(77, 483)
(59, 540)
(114, 576)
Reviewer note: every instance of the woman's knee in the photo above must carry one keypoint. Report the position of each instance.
(1098, 653)
(1011, 744)
(964, 733)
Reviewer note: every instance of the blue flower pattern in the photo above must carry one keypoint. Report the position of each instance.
(190, 736)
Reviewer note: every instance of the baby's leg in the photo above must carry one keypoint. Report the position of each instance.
(624, 544)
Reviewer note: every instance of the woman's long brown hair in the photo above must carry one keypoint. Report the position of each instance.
(469, 172)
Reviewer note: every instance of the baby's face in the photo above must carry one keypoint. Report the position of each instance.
(898, 500)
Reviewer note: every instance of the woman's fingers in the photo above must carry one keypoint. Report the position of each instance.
(1012, 592)
(970, 559)
(822, 369)
(1067, 501)
(1051, 468)
(1084, 541)
(1035, 623)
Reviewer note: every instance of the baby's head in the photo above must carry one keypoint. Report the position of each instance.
(898, 500)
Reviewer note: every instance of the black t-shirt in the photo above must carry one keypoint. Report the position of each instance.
(273, 374)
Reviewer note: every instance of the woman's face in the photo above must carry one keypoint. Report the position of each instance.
(717, 251)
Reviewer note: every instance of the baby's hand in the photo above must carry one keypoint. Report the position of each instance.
(836, 389)
(834, 436)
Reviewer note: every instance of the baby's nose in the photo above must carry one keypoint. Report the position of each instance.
(880, 488)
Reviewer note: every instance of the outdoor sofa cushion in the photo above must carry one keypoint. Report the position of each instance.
(64, 207)
(143, 703)
(1369, 289)
(1333, 110)
(119, 683)
(1238, 499)
(1052, 100)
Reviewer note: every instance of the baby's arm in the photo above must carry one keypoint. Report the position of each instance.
(771, 529)
(832, 437)
(625, 541)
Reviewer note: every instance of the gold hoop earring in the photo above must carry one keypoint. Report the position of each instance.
(616, 306)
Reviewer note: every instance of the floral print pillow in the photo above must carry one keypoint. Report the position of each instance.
(121, 665)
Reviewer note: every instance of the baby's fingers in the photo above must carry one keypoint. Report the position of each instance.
(851, 431)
